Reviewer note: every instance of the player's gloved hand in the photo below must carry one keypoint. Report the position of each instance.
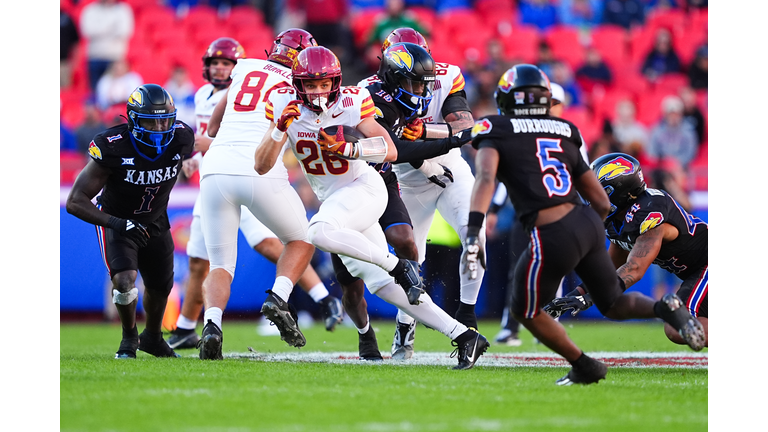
(558, 306)
(290, 113)
(414, 130)
(130, 229)
(433, 171)
(337, 144)
(471, 256)
(462, 137)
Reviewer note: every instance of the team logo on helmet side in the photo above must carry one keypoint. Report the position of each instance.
(653, 220)
(136, 99)
(505, 84)
(615, 168)
(400, 55)
(481, 127)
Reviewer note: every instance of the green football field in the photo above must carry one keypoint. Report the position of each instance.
(263, 384)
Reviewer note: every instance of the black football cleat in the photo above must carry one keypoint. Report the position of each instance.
(156, 346)
(183, 338)
(402, 345)
(211, 342)
(284, 316)
(586, 370)
(332, 312)
(368, 347)
(410, 280)
(470, 345)
(674, 312)
(128, 345)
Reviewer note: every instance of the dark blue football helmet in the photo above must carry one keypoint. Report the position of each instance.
(151, 117)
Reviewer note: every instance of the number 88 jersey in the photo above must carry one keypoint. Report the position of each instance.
(244, 122)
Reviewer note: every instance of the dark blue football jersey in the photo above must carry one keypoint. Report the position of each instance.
(139, 186)
(539, 159)
(682, 256)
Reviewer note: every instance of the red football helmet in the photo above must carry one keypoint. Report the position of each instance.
(221, 48)
(288, 44)
(405, 34)
(317, 63)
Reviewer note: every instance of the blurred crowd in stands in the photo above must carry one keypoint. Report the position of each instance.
(634, 71)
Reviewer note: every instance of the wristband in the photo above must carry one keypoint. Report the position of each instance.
(277, 134)
(475, 222)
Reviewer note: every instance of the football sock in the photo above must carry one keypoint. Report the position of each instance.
(318, 292)
(214, 314)
(364, 330)
(404, 318)
(185, 323)
(283, 287)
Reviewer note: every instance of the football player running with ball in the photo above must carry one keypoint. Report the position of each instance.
(647, 226)
(537, 158)
(135, 166)
(352, 192)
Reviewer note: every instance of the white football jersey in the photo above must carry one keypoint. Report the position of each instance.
(449, 80)
(205, 102)
(244, 123)
(325, 172)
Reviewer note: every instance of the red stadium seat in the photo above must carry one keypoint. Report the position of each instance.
(522, 43)
(71, 163)
(565, 42)
(673, 19)
(362, 23)
(201, 16)
(698, 20)
(604, 107)
(155, 17)
(649, 106)
(581, 117)
(687, 44)
(244, 17)
(72, 112)
(640, 44)
(425, 16)
(698, 170)
(671, 82)
(612, 43)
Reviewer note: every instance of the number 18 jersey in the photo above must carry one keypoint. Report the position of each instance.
(325, 172)
(244, 123)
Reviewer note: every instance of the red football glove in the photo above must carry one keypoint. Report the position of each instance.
(414, 130)
(336, 143)
(290, 113)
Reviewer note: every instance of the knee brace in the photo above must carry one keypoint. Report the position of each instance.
(125, 298)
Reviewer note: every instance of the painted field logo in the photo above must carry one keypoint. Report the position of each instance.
(481, 127)
(653, 220)
(614, 168)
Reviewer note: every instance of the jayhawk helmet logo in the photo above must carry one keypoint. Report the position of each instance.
(506, 80)
(135, 99)
(400, 56)
(615, 168)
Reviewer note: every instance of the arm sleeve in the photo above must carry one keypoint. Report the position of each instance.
(455, 102)
(417, 151)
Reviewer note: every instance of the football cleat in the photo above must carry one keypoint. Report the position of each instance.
(211, 342)
(674, 312)
(368, 347)
(332, 312)
(410, 280)
(508, 338)
(183, 338)
(285, 317)
(128, 345)
(588, 371)
(470, 345)
(157, 347)
(402, 346)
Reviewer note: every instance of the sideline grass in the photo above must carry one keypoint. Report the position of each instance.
(99, 393)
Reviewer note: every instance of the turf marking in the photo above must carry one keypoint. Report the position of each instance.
(612, 359)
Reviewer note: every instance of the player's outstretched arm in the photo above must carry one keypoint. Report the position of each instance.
(268, 151)
(460, 120)
(87, 184)
(214, 123)
(645, 250)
